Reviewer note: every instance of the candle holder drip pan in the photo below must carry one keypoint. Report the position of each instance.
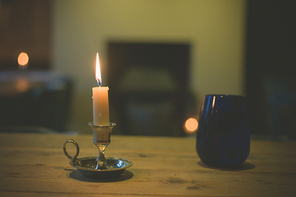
(114, 167)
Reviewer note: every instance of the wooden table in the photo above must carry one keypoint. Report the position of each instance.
(35, 165)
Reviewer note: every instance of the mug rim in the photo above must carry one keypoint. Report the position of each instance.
(225, 95)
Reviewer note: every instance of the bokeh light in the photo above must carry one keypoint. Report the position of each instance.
(191, 125)
(23, 59)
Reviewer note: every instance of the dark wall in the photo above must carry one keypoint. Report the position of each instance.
(270, 62)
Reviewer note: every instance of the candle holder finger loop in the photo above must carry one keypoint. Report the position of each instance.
(72, 158)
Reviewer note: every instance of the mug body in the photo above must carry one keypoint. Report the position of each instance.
(223, 137)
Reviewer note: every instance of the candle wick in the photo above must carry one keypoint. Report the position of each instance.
(99, 82)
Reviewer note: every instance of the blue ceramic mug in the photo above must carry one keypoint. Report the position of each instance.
(223, 136)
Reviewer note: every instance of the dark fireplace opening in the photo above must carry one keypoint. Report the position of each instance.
(150, 87)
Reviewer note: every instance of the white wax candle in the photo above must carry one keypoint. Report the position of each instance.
(100, 99)
(100, 106)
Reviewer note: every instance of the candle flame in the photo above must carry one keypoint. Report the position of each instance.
(98, 71)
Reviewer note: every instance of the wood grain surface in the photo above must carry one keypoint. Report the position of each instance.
(35, 165)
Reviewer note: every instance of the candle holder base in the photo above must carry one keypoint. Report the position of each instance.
(114, 166)
(101, 166)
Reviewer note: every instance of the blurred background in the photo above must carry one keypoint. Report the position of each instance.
(158, 57)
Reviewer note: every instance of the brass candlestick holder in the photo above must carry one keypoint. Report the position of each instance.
(102, 138)
(101, 166)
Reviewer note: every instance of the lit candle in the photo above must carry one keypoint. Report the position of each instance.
(100, 99)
